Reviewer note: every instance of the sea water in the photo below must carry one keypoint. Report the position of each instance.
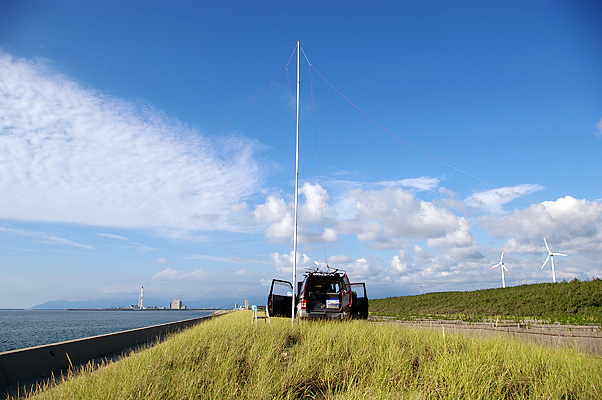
(27, 328)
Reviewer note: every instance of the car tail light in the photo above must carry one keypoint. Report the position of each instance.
(303, 304)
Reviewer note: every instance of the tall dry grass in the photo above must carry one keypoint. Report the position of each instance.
(229, 358)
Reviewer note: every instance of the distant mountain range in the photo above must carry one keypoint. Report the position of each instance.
(65, 304)
(118, 303)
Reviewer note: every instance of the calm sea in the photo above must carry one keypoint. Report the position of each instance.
(27, 328)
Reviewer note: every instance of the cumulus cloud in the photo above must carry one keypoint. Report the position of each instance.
(70, 154)
(402, 262)
(314, 211)
(390, 215)
(564, 219)
(422, 253)
(273, 210)
(359, 269)
(283, 263)
(384, 218)
(572, 226)
(362, 269)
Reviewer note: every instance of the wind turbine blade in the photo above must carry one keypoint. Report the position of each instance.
(559, 254)
(545, 262)
(502, 257)
(547, 247)
(503, 266)
(496, 265)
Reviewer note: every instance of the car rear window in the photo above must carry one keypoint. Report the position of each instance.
(324, 286)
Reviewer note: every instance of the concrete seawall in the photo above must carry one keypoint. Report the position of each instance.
(33, 363)
(587, 339)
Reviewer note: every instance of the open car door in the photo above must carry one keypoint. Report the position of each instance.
(280, 300)
(360, 308)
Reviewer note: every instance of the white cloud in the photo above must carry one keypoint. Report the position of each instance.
(494, 200)
(383, 218)
(423, 183)
(70, 154)
(359, 269)
(402, 262)
(571, 226)
(112, 236)
(283, 263)
(314, 216)
(564, 219)
(45, 238)
(273, 210)
(390, 215)
(173, 274)
(138, 246)
(422, 253)
(340, 259)
(460, 236)
(362, 269)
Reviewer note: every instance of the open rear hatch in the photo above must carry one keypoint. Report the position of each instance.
(324, 296)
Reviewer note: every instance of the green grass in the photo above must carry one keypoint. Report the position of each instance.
(229, 358)
(574, 302)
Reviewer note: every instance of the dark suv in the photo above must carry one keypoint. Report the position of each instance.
(320, 295)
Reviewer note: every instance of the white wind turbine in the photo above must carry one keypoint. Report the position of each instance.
(551, 255)
(502, 267)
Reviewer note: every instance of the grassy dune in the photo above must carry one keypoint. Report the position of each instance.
(574, 302)
(229, 358)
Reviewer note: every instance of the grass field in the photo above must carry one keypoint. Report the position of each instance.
(574, 302)
(229, 358)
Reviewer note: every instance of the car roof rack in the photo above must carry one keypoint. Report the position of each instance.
(319, 272)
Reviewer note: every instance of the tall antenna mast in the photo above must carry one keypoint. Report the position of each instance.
(296, 194)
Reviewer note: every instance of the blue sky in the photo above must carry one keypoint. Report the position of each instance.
(125, 162)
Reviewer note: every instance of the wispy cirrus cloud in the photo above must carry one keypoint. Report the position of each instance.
(138, 246)
(45, 238)
(71, 154)
(494, 200)
(423, 183)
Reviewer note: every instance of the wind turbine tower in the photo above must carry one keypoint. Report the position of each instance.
(141, 298)
(503, 268)
(551, 256)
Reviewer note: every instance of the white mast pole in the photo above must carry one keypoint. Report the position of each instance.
(296, 195)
